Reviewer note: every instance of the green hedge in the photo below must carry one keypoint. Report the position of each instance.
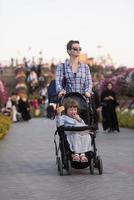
(5, 123)
(126, 119)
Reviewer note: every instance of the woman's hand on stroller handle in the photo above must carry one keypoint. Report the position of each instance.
(88, 94)
(62, 93)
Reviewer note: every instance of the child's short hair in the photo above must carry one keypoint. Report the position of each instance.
(70, 102)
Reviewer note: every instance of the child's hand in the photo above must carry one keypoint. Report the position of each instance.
(77, 117)
(60, 110)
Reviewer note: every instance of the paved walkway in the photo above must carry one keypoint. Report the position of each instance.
(28, 170)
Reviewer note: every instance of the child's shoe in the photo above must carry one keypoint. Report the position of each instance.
(83, 158)
(76, 157)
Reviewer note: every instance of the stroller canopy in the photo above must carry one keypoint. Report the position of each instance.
(82, 103)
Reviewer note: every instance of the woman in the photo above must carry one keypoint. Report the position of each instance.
(109, 103)
(72, 75)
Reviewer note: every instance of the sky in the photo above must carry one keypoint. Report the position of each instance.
(31, 26)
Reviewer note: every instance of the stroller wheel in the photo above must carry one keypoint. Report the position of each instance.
(69, 167)
(60, 166)
(92, 166)
(100, 165)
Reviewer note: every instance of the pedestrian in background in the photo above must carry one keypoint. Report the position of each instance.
(24, 108)
(109, 104)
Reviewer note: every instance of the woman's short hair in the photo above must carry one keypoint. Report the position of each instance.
(69, 103)
(70, 43)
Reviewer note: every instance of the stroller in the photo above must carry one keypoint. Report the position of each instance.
(63, 153)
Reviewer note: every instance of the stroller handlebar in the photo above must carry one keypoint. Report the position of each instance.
(70, 128)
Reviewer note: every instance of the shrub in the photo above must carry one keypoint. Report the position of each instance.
(5, 123)
(126, 119)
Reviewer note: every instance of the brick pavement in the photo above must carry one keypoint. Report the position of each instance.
(28, 170)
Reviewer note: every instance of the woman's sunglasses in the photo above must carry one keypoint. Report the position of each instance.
(76, 49)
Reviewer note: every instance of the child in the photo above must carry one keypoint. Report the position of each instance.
(79, 142)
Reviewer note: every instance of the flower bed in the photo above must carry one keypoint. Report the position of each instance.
(5, 123)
